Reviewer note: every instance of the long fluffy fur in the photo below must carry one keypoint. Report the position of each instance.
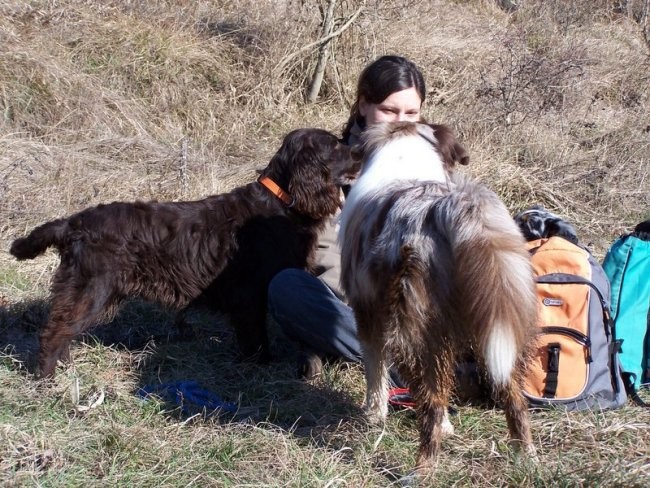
(434, 266)
(222, 250)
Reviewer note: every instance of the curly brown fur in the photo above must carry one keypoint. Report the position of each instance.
(222, 250)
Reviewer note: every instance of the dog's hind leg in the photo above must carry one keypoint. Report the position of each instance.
(516, 411)
(375, 369)
(54, 344)
(73, 310)
(430, 417)
(431, 381)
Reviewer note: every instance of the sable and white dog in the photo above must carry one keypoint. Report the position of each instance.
(434, 266)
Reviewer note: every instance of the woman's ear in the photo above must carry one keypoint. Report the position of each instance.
(362, 107)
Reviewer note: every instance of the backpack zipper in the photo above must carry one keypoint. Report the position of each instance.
(578, 280)
(579, 337)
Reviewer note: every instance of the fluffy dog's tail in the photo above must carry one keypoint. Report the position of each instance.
(494, 280)
(46, 235)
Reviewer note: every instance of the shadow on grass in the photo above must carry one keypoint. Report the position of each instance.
(266, 393)
(136, 325)
(324, 413)
(19, 326)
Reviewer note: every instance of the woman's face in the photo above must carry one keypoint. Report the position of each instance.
(401, 106)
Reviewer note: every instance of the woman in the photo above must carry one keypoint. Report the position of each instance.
(312, 309)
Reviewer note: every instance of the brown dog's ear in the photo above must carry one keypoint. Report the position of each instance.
(311, 183)
(450, 149)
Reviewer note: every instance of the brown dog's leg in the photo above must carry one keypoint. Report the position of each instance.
(53, 346)
(72, 312)
(250, 329)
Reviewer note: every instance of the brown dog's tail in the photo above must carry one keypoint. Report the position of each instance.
(38, 240)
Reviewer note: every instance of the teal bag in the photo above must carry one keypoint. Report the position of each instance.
(627, 265)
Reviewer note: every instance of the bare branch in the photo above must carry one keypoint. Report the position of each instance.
(320, 41)
(323, 54)
(645, 28)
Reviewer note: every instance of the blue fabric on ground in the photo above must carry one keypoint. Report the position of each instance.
(189, 396)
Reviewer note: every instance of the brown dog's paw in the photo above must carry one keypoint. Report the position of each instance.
(310, 365)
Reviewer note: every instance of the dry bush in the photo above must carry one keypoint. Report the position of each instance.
(567, 15)
(103, 102)
(530, 100)
(526, 78)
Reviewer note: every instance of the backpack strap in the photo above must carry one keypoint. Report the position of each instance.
(553, 369)
(628, 381)
(615, 272)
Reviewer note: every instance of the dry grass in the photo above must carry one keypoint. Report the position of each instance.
(100, 100)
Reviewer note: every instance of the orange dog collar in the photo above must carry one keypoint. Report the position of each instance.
(273, 187)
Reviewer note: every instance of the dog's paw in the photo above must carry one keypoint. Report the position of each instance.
(374, 415)
(310, 365)
(523, 450)
(374, 418)
(446, 427)
(530, 452)
(410, 480)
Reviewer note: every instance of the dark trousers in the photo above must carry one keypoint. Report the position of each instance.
(309, 312)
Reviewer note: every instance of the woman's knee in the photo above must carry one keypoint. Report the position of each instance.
(286, 279)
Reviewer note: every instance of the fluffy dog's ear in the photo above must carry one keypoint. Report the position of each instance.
(450, 149)
(314, 193)
(311, 182)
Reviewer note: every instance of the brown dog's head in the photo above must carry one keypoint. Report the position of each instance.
(311, 166)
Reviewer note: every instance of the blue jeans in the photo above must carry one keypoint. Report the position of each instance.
(309, 312)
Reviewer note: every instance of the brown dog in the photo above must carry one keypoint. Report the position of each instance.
(224, 249)
(434, 266)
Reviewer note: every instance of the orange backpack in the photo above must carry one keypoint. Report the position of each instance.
(576, 364)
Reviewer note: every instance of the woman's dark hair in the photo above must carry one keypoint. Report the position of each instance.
(380, 79)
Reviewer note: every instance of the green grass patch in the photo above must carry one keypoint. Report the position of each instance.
(13, 279)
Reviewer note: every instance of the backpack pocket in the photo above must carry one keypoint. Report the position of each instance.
(560, 368)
